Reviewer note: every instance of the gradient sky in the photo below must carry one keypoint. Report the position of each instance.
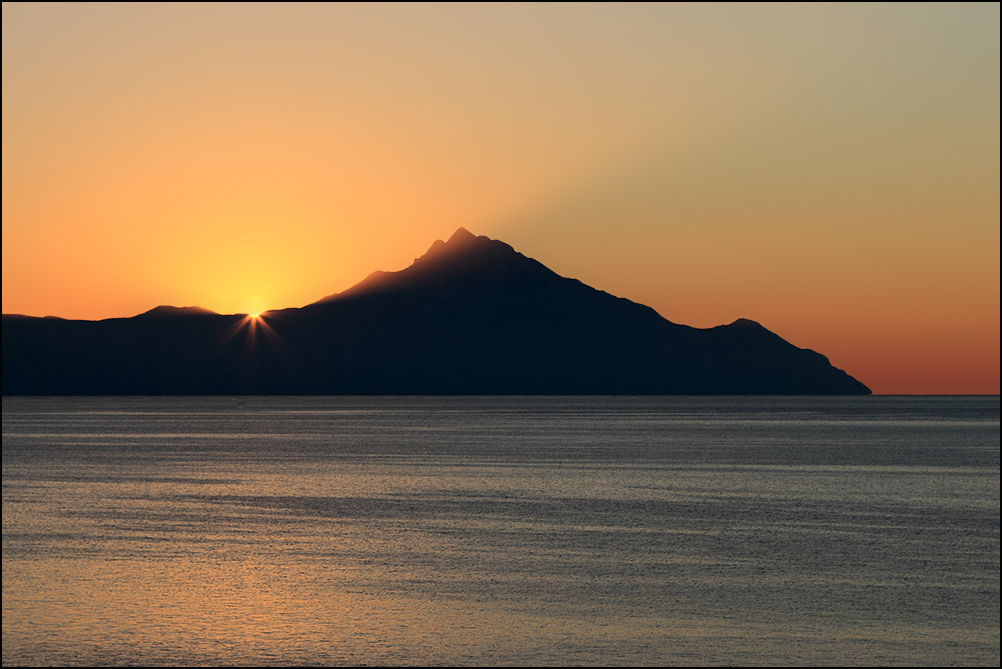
(831, 171)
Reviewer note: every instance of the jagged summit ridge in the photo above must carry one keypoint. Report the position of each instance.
(462, 242)
(462, 254)
(464, 245)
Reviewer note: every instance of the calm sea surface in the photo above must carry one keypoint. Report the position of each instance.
(492, 531)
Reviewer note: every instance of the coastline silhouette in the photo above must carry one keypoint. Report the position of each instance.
(472, 316)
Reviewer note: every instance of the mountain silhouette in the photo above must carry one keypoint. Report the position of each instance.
(165, 311)
(470, 316)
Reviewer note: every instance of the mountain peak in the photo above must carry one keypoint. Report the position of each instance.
(461, 236)
(464, 253)
(460, 240)
(745, 323)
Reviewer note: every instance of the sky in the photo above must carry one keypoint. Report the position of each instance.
(830, 171)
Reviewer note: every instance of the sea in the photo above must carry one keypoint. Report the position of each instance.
(501, 531)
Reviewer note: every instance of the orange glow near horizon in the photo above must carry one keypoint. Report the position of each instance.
(831, 172)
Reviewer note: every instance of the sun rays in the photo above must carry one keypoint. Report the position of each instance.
(249, 327)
